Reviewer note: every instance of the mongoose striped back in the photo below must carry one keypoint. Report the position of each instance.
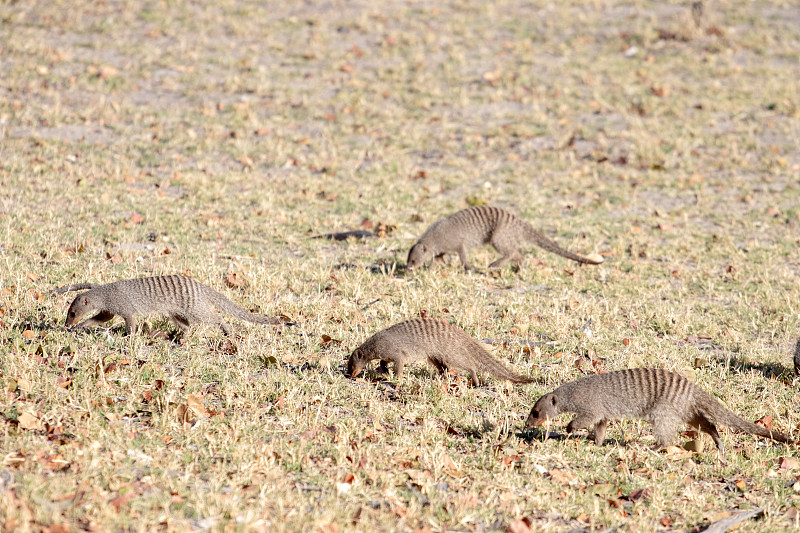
(477, 226)
(183, 300)
(440, 343)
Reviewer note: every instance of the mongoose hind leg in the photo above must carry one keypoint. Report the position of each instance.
(181, 322)
(707, 426)
(100, 318)
(664, 430)
(600, 432)
(507, 245)
(438, 365)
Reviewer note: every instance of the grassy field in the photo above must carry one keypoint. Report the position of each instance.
(215, 139)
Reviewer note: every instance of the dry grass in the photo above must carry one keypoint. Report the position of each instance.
(219, 137)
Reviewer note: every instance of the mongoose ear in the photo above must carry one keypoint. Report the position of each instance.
(85, 301)
(553, 400)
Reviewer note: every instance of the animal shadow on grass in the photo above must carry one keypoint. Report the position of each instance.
(768, 370)
(382, 267)
(540, 435)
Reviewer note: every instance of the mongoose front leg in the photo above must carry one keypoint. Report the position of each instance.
(474, 375)
(100, 318)
(600, 432)
(581, 421)
(437, 260)
(462, 254)
(383, 368)
(226, 329)
(398, 369)
(130, 324)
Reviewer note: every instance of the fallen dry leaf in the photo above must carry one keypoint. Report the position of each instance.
(789, 463)
(523, 525)
(30, 420)
(194, 403)
(235, 280)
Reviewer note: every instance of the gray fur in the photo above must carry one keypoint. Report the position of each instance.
(797, 358)
(477, 226)
(665, 398)
(440, 343)
(183, 300)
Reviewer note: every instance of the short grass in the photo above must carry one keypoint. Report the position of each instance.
(215, 138)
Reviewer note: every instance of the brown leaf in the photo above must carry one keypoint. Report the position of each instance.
(562, 476)
(789, 463)
(626, 342)
(30, 420)
(661, 92)
(136, 218)
(195, 403)
(523, 525)
(639, 494)
(327, 339)
(28, 334)
(121, 501)
(765, 421)
(235, 280)
(665, 522)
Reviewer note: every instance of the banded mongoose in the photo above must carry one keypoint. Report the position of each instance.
(797, 358)
(665, 398)
(440, 343)
(480, 225)
(183, 300)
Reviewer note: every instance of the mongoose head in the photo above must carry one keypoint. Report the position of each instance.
(356, 363)
(544, 409)
(418, 255)
(79, 307)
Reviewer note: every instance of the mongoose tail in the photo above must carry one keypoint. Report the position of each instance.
(436, 341)
(665, 398)
(75, 287)
(492, 366)
(540, 240)
(797, 358)
(227, 306)
(722, 415)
